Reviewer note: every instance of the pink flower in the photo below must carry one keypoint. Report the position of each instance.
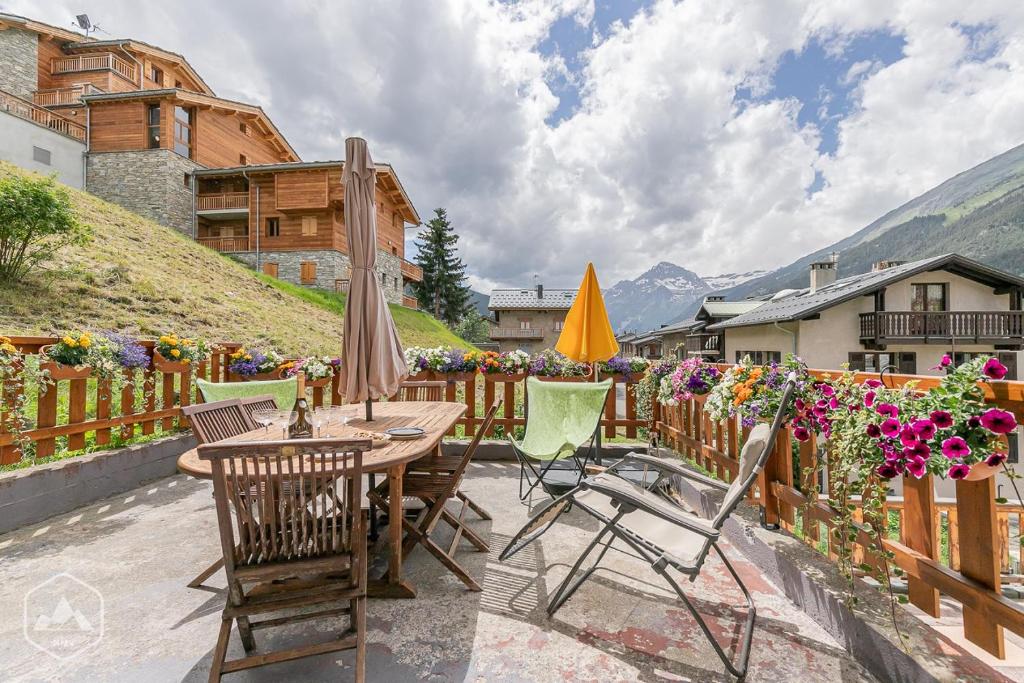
(873, 383)
(873, 431)
(918, 450)
(998, 421)
(799, 404)
(869, 399)
(955, 448)
(801, 434)
(890, 427)
(833, 403)
(908, 437)
(887, 470)
(826, 390)
(887, 409)
(917, 467)
(946, 361)
(959, 471)
(974, 422)
(941, 419)
(925, 429)
(995, 459)
(993, 369)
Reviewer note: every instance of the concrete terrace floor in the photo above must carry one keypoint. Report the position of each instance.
(141, 548)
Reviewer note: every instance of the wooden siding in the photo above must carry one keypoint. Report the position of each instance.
(219, 141)
(48, 50)
(301, 190)
(290, 237)
(390, 226)
(118, 126)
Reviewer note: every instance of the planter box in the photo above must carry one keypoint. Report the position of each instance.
(544, 378)
(170, 367)
(455, 376)
(501, 377)
(258, 377)
(314, 383)
(58, 372)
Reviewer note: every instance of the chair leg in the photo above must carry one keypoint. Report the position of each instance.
(481, 513)
(458, 523)
(206, 573)
(220, 651)
(359, 624)
(569, 586)
(453, 566)
(245, 633)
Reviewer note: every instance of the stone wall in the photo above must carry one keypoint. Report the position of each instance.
(390, 267)
(19, 54)
(331, 265)
(151, 183)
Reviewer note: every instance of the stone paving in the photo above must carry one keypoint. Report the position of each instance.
(140, 549)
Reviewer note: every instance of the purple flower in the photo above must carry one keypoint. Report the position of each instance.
(130, 353)
(801, 434)
(955, 448)
(941, 419)
(925, 429)
(998, 421)
(869, 399)
(873, 431)
(890, 427)
(887, 470)
(995, 459)
(887, 409)
(958, 471)
(917, 467)
(993, 369)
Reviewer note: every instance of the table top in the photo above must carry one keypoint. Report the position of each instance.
(434, 417)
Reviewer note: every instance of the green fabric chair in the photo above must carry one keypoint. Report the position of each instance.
(283, 390)
(562, 417)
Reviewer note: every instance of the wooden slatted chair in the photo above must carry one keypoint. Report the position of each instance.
(435, 481)
(253, 403)
(294, 543)
(218, 420)
(420, 391)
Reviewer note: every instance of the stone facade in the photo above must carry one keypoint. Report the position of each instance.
(331, 265)
(19, 55)
(154, 183)
(527, 330)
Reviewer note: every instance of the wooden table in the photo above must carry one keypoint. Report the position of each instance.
(434, 417)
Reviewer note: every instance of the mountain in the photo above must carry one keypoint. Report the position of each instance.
(978, 213)
(479, 301)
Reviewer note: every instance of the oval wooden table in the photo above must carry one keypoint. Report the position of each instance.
(434, 417)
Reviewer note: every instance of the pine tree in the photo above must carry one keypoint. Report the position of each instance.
(443, 291)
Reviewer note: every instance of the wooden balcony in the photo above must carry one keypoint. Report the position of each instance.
(515, 333)
(223, 201)
(57, 97)
(95, 61)
(225, 244)
(24, 109)
(410, 301)
(704, 344)
(964, 327)
(410, 271)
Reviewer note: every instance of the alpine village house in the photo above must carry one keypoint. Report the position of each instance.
(528, 319)
(136, 125)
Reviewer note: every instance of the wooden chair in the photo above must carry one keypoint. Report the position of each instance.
(218, 420)
(421, 391)
(253, 403)
(294, 543)
(435, 481)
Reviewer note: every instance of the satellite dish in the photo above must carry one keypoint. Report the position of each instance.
(83, 22)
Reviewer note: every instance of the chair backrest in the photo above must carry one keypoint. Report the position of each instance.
(283, 390)
(754, 455)
(420, 391)
(252, 404)
(561, 416)
(218, 420)
(281, 501)
(470, 451)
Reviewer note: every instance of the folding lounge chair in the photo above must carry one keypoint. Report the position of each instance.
(282, 390)
(562, 418)
(658, 530)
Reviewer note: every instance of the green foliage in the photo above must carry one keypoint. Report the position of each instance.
(473, 327)
(36, 220)
(443, 290)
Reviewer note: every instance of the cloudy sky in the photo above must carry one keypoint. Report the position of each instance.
(722, 135)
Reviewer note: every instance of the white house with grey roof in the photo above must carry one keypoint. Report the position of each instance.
(528, 319)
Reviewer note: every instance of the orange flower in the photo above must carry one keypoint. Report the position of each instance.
(755, 374)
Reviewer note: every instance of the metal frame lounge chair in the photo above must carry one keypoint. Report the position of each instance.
(562, 418)
(659, 531)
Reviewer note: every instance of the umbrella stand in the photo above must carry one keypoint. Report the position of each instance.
(369, 410)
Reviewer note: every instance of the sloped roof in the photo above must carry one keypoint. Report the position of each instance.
(681, 326)
(796, 304)
(724, 309)
(526, 299)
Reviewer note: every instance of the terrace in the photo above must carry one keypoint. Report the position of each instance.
(960, 555)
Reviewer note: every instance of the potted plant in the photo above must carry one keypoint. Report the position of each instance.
(623, 370)
(752, 392)
(691, 379)
(510, 366)
(172, 354)
(318, 370)
(551, 366)
(420, 362)
(68, 358)
(456, 365)
(254, 365)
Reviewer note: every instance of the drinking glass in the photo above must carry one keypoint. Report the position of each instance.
(265, 418)
(286, 418)
(318, 418)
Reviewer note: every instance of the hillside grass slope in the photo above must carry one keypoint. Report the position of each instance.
(141, 278)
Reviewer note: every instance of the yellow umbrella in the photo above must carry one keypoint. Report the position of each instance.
(587, 336)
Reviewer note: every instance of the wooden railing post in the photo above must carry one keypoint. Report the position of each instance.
(46, 417)
(103, 400)
(77, 392)
(979, 558)
(470, 427)
(769, 502)
(920, 534)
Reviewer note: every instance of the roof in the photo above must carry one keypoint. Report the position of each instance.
(797, 304)
(648, 337)
(527, 300)
(680, 326)
(199, 99)
(726, 309)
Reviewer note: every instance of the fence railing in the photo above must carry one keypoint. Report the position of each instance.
(223, 200)
(411, 271)
(225, 244)
(410, 301)
(94, 62)
(58, 96)
(979, 538)
(961, 326)
(24, 109)
(515, 333)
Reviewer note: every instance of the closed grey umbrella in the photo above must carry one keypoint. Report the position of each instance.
(373, 363)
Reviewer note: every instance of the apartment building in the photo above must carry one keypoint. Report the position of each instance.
(529, 319)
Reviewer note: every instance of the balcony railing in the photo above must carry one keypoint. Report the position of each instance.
(704, 343)
(980, 327)
(93, 62)
(410, 271)
(60, 96)
(410, 301)
(515, 333)
(224, 200)
(24, 109)
(225, 244)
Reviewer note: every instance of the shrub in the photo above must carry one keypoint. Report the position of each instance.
(36, 221)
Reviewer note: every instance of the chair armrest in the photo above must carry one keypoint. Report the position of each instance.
(622, 492)
(668, 467)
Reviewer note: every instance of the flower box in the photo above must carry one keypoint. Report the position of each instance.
(322, 382)
(620, 378)
(58, 372)
(170, 367)
(556, 378)
(424, 376)
(455, 376)
(258, 377)
(502, 377)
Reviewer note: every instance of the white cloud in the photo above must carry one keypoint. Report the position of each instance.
(659, 161)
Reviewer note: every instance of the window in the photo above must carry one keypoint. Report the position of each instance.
(383, 279)
(156, 74)
(396, 282)
(273, 227)
(904, 362)
(558, 325)
(243, 129)
(184, 119)
(928, 297)
(243, 160)
(270, 269)
(153, 126)
(307, 272)
(186, 180)
(760, 357)
(309, 226)
(41, 155)
(177, 84)
(524, 323)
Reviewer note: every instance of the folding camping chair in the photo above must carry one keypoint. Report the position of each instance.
(562, 418)
(661, 532)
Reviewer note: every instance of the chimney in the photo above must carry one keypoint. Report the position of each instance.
(885, 264)
(823, 273)
(540, 291)
(714, 297)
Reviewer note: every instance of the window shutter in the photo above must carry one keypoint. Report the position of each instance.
(857, 362)
(270, 269)
(309, 226)
(908, 363)
(1009, 359)
(307, 272)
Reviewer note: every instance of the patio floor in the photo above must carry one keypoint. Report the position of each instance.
(621, 625)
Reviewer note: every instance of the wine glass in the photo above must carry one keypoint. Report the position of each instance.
(318, 418)
(264, 417)
(286, 418)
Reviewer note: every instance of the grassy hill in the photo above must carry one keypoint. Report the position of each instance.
(142, 278)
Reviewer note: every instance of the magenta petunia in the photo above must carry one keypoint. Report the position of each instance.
(890, 427)
(873, 431)
(925, 429)
(993, 369)
(872, 383)
(955, 448)
(917, 467)
(918, 450)
(941, 419)
(974, 422)
(887, 470)
(826, 390)
(946, 361)
(869, 399)
(799, 404)
(887, 409)
(801, 433)
(995, 459)
(959, 471)
(998, 421)
(833, 403)
(908, 437)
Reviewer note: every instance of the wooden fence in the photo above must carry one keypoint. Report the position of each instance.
(979, 536)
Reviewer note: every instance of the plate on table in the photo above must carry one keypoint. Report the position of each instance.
(405, 433)
(379, 440)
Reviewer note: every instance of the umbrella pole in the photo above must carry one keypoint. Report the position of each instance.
(597, 441)
(369, 410)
